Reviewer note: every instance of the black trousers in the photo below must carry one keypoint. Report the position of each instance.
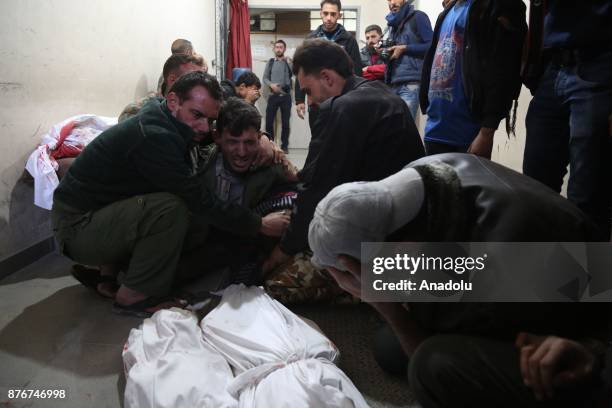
(274, 103)
(432, 148)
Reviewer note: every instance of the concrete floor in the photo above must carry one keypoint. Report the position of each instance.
(57, 335)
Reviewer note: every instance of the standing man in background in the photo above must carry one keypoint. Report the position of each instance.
(569, 120)
(369, 56)
(277, 76)
(331, 11)
(471, 74)
(411, 36)
(373, 66)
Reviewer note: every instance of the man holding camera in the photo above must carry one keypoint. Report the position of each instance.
(373, 66)
(369, 55)
(404, 50)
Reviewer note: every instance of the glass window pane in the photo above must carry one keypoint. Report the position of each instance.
(314, 24)
(350, 25)
(315, 14)
(350, 14)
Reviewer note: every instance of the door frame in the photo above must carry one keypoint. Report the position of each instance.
(308, 7)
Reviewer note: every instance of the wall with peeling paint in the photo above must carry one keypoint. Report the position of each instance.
(59, 58)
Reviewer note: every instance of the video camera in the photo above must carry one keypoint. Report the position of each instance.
(383, 47)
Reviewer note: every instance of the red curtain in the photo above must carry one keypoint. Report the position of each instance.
(239, 41)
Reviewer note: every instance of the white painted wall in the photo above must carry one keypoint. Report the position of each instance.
(59, 58)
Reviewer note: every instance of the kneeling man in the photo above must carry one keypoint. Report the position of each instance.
(228, 169)
(129, 196)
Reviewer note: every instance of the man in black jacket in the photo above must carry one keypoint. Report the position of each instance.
(569, 120)
(331, 11)
(367, 133)
(129, 197)
(468, 354)
(471, 74)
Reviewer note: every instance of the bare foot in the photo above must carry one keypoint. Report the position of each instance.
(127, 297)
(107, 289)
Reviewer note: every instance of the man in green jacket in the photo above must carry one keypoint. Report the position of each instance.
(129, 196)
(227, 168)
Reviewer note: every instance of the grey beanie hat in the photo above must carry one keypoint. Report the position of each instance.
(359, 212)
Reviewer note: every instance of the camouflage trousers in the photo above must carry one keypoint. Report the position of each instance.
(299, 281)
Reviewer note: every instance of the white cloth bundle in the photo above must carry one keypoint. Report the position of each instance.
(42, 166)
(168, 364)
(278, 359)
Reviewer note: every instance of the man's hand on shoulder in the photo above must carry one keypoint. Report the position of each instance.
(268, 153)
(289, 169)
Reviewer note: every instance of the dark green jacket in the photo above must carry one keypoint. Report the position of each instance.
(258, 182)
(147, 153)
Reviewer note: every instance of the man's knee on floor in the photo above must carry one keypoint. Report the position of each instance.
(388, 351)
(435, 367)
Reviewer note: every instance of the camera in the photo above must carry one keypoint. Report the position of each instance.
(383, 47)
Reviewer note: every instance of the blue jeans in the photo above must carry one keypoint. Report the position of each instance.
(569, 122)
(409, 94)
(284, 103)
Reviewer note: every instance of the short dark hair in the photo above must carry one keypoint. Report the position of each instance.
(237, 115)
(281, 42)
(248, 78)
(317, 54)
(183, 86)
(333, 2)
(181, 46)
(373, 27)
(175, 61)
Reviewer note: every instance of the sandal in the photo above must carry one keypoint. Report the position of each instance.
(139, 309)
(91, 278)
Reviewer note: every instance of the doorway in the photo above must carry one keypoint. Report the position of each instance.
(292, 25)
